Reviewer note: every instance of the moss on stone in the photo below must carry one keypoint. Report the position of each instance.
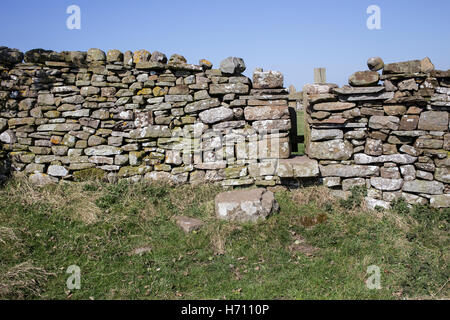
(130, 171)
(89, 174)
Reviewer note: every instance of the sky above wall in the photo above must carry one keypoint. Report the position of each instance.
(291, 36)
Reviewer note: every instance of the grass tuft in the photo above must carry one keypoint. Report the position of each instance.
(22, 281)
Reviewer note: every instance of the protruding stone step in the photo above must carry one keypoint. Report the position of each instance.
(298, 167)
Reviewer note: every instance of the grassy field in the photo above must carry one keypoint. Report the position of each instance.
(316, 247)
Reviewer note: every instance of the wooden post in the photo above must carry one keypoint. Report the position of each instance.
(320, 75)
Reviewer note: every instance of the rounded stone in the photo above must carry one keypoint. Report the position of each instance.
(216, 115)
(426, 66)
(232, 65)
(394, 110)
(238, 113)
(205, 64)
(177, 59)
(364, 79)
(95, 54)
(386, 184)
(8, 137)
(41, 179)
(10, 56)
(267, 79)
(331, 150)
(37, 55)
(375, 63)
(245, 205)
(158, 57)
(57, 171)
(78, 58)
(128, 58)
(141, 56)
(114, 55)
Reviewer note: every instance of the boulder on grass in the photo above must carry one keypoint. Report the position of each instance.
(42, 179)
(245, 205)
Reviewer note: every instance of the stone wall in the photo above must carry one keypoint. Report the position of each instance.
(393, 138)
(83, 115)
(4, 167)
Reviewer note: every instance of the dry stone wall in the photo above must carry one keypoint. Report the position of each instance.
(70, 116)
(392, 138)
(83, 115)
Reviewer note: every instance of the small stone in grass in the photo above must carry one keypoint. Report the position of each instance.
(188, 224)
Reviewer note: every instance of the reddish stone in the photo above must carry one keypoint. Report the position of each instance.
(408, 123)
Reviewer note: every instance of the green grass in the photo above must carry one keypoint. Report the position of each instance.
(300, 131)
(315, 248)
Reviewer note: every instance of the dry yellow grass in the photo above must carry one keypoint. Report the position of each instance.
(188, 195)
(8, 234)
(320, 195)
(78, 203)
(22, 280)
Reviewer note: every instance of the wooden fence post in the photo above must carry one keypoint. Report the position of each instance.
(320, 75)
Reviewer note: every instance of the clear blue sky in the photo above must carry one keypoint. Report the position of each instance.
(291, 36)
